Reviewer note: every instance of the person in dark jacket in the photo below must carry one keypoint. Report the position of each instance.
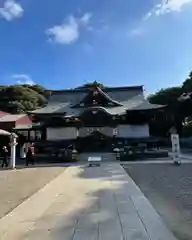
(30, 155)
(5, 156)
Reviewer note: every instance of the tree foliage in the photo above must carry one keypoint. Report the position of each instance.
(167, 96)
(177, 111)
(22, 98)
(187, 84)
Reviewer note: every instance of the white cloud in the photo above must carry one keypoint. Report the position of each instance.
(66, 33)
(136, 32)
(11, 10)
(69, 31)
(167, 6)
(148, 15)
(86, 18)
(23, 79)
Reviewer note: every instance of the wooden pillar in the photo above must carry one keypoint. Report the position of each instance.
(28, 136)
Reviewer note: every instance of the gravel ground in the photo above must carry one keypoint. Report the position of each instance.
(169, 189)
(18, 185)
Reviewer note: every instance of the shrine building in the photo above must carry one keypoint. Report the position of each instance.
(93, 118)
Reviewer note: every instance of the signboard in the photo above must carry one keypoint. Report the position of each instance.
(175, 147)
(94, 161)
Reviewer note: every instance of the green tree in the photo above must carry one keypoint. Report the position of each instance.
(187, 84)
(22, 98)
(15, 107)
(177, 110)
(167, 96)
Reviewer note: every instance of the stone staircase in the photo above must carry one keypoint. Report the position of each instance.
(106, 157)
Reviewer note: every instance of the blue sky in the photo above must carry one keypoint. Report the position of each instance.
(62, 44)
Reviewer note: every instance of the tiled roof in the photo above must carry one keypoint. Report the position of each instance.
(110, 110)
(53, 107)
(139, 103)
(136, 103)
(4, 133)
(145, 105)
(27, 126)
(76, 96)
(88, 99)
(2, 113)
(124, 98)
(106, 89)
(11, 117)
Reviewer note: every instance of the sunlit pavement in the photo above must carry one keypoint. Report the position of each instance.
(86, 203)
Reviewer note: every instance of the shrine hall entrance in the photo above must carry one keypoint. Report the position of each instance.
(95, 142)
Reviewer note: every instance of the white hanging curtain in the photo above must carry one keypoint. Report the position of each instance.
(87, 131)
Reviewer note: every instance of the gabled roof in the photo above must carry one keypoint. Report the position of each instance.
(139, 103)
(74, 96)
(103, 98)
(52, 108)
(2, 113)
(109, 110)
(66, 109)
(4, 133)
(105, 89)
(117, 101)
(11, 117)
(28, 126)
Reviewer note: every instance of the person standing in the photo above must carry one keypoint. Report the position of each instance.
(30, 155)
(5, 157)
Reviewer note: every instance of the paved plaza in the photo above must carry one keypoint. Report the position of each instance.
(19, 184)
(168, 187)
(94, 203)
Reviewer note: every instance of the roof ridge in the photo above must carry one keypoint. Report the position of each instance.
(80, 90)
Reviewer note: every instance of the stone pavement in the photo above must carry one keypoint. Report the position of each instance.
(93, 203)
(187, 156)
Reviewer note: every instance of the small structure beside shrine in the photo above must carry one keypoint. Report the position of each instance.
(10, 121)
(92, 118)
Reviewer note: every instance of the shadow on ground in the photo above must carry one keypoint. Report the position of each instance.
(95, 215)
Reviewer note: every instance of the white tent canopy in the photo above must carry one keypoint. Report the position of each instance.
(6, 133)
